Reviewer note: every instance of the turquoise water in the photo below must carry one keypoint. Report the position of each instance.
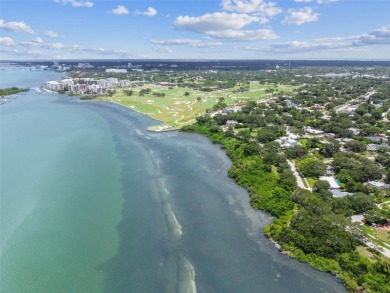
(92, 202)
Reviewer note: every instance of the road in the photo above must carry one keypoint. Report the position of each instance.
(298, 177)
(380, 248)
(350, 103)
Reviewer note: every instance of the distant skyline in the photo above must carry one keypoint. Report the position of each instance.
(194, 29)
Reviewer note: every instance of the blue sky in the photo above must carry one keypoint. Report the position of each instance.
(195, 29)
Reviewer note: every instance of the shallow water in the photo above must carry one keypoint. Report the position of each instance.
(93, 202)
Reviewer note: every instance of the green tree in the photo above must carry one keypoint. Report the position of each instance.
(311, 167)
(361, 202)
(356, 146)
(129, 92)
(329, 149)
(375, 216)
(251, 149)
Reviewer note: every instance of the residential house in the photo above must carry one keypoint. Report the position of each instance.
(378, 185)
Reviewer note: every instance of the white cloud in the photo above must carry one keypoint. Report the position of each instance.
(75, 3)
(380, 36)
(121, 53)
(179, 42)
(301, 16)
(7, 41)
(212, 51)
(16, 26)
(164, 50)
(120, 10)
(326, 1)
(251, 6)
(214, 22)
(114, 53)
(187, 42)
(54, 45)
(222, 25)
(149, 12)
(37, 40)
(23, 53)
(207, 45)
(244, 35)
(52, 34)
(307, 46)
(318, 1)
(299, 47)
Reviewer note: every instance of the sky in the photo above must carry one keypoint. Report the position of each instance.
(194, 29)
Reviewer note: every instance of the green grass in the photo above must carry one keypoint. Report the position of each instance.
(303, 180)
(381, 237)
(365, 252)
(175, 109)
(303, 142)
(311, 181)
(275, 171)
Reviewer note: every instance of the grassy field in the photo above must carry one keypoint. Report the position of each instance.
(377, 236)
(176, 108)
(365, 252)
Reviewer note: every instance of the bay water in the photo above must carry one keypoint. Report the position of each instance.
(93, 202)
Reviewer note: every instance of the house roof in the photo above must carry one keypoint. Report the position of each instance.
(379, 185)
(338, 193)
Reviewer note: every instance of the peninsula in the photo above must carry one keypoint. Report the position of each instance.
(310, 144)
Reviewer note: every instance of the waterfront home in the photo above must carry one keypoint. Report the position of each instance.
(338, 193)
(331, 180)
(53, 85)
(287, 142)
(378, 185)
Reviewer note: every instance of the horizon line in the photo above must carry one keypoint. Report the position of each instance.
(188, 60)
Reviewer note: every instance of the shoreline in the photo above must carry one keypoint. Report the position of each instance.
(276, 245)
(137, 111)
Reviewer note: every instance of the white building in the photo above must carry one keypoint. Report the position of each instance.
(74, 88)
(114, 70)
(104, 83)
(54, 85)
(287, 142)
(96, 89)
(66, 82)
(88, 81)
(124, 83)
(313, 131)
(85, 65)
(113, 81)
